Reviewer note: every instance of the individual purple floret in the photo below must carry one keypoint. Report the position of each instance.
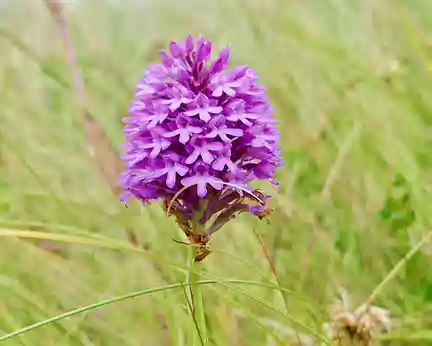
(197, 136)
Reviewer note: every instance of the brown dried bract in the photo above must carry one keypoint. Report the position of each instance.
(259, 194)
(184, 224)
(202, 252)
(264, 213)
(195, 239)
(200, 240)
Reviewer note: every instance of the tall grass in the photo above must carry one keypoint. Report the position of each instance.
(350, 81)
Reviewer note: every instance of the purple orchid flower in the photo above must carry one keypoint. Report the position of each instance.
(203, 107)
(197, 136)
(184, 130)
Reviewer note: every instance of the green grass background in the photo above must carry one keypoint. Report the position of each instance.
(351, 83)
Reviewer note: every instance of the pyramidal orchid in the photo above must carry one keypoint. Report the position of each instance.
(197, 136)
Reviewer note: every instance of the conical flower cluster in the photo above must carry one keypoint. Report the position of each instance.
(197, 128)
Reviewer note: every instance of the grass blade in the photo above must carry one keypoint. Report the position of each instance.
(119, 299)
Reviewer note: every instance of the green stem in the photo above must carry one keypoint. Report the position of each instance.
(193, 276)
(196, 299)
(199, 308)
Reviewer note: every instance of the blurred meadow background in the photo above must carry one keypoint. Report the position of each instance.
(351, 84)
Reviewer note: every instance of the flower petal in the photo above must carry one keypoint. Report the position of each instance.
(175, 49)
(214, 110)
(192, 112)
(192, 157)
(204, 115)
(216, 146)
(171, 178)
(206, 156)
(175, 105)
(218, 91)
(182, 170)
(202, 189)
(216, 185)
(189, 44)
(219, 164)
(184, 136)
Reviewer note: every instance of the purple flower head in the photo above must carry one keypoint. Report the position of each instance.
(198, 134)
